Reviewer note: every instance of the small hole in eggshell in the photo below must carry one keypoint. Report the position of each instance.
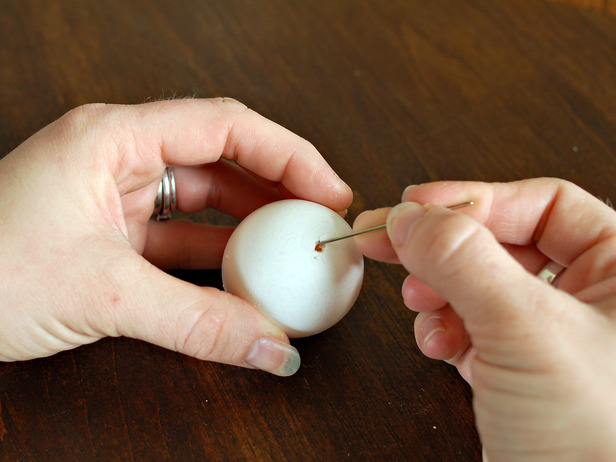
(319, 247)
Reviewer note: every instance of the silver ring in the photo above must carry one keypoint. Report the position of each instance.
(550, 272)
(166, 200)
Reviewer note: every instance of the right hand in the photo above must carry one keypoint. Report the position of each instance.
(540, 359)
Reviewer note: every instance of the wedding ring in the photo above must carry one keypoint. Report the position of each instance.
(166, 200)
(550, 272)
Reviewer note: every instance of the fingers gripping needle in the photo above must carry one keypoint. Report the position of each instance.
(320, 244)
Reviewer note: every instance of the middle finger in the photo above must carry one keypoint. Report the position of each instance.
(226, 187)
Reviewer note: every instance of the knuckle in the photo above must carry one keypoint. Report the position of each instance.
(87, 111)
(77, 120)
(204, 337)
(450, 244)
(228, 104)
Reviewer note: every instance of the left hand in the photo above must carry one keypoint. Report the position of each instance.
(77, 198)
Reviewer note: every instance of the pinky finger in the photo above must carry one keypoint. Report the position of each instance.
(186, 245)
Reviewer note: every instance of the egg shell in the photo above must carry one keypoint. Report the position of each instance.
(271, 261)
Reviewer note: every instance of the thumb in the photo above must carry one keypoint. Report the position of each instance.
(500, 303)
(203, 322)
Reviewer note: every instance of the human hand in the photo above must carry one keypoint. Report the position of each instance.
(540, 358)
(77, 198)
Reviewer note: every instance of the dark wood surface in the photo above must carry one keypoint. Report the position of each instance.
(392, 93)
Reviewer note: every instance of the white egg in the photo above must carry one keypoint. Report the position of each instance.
(271, 261)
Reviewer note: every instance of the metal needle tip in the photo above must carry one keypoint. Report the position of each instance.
(319, 246)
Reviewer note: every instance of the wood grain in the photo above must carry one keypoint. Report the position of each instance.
(392, 93)
(606, 6)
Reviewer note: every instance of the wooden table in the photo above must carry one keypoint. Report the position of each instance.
(392, 93)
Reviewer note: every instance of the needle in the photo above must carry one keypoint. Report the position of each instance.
(320, 244)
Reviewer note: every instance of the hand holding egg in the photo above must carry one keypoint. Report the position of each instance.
(271, 261)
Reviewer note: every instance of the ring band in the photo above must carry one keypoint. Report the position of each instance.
(166, 200)
(550, 272)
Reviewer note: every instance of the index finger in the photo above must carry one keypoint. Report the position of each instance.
(196, 132)
(562, 220)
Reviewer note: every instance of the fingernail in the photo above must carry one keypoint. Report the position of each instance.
(274, 356)
(406, 190)
(401, 219)
(431, 327)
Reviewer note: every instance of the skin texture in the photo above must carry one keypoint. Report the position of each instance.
(81, 258)
(540, 358)
(80, 261)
